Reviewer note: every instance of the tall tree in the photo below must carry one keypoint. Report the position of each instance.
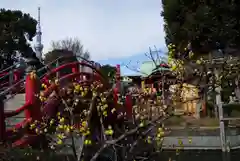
(71, 44)
(16, 30)
(207, 25)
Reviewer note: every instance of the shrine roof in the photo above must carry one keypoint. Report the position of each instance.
(149, 67)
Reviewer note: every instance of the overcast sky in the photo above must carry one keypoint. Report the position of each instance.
(107, 28)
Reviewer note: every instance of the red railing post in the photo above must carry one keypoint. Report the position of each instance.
(75, 68)
(118, 78)
(118, 83)
(115, 95)
(16, 75)
(128, 104)
(32, 89)
(2, 122)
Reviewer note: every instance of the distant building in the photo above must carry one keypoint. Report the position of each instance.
(38, 45)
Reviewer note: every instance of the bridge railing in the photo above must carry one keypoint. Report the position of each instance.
(32, 89)
(13, 75)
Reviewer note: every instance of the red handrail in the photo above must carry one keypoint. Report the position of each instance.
(70, 65)
(32, 101)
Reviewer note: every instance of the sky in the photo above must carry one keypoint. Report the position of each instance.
(113, 31)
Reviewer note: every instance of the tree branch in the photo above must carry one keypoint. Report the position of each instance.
(130, 132)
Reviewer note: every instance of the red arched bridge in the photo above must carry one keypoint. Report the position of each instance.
(33, 108)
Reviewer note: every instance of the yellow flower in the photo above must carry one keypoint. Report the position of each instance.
(105, 113)
(83, 93)
(141, 124)
(84, 123)
(44, 86)
(60, 126)
(105, 106)
(56, 81)
(62, 120)
(109, 132)
(59, 142)
(113, 110)
(180, 142)
(42, 99)
(190, 140)
(77, 87)
(149, 141)
(67, 130)
(104, 100)
(86, 133)
(33, 75)
(81, 129)
(198, 62)
(51, 122)
(87, 142)
(45, 130)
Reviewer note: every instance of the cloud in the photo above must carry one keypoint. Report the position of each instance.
(107, 28)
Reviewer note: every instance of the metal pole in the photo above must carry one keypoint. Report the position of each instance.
(11, 77)
(220, 114)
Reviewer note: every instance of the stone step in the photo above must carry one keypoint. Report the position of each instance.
(179, 112)
(14, 103)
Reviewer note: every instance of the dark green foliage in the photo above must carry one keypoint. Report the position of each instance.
(203, 23)
(52, 56)
(16, 28)
(58, 53)
(108, 71)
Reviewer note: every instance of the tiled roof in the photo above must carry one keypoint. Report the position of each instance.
(148, 67)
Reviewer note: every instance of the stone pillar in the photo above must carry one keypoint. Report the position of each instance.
(198, 105)
(30, 65)
(218, 90)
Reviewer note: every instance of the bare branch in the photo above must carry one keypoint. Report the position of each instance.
(134, 68)
(79, 151)
(71, 44)
(151, 55)
(130, 132)
(158, 57)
